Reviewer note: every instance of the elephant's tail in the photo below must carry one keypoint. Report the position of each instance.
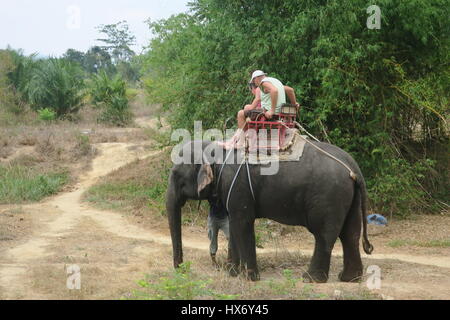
(361, 185)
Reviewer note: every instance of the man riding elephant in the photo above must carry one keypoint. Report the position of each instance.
(270, 95)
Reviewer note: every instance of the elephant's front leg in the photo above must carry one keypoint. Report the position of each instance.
(244, 232)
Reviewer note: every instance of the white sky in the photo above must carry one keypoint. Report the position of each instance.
(50, 27)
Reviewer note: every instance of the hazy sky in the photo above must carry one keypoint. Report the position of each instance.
(50, 27)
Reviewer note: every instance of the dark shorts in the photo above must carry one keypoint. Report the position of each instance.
(254, 114)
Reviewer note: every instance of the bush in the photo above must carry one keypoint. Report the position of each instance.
(58, 85)
(397, 189)
(180, 285)
(47, 114)
(15, 70)
(110, 94)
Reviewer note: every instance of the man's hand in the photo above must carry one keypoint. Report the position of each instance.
(269, 114)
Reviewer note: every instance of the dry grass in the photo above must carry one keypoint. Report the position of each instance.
(14, 224)
(108, 265)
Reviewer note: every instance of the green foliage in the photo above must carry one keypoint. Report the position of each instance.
(381, 94)
(7, 97)
(396, 189)
(179, 285)
(96, 59)
(287, 285)
(15, 72)
(21, 184)
(111, 95)
(118, 41)
(47, 114)
(58, 85)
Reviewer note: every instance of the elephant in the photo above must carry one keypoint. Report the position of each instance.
(316, 192)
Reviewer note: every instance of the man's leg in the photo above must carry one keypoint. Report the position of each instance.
(241, 116)
(241, 119)
(213, 232)
(225, 226)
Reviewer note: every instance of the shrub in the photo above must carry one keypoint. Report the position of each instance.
(180, 285)
(58, 85)
(396, 189)
(47, 114)
(15, 71)
(110, 94)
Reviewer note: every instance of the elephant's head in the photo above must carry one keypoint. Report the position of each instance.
(192, 179)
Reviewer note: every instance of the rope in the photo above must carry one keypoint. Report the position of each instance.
(235, 177)
(303, 129)
(223, 166)
(232, 184)
(352, 174)
(250, 181)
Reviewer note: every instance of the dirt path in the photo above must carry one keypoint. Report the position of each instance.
(57, 219)
(114, 252)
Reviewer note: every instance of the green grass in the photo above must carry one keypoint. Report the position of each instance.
(185, 284)
(425, 244)
(177, 285)
(19, 184)
(140, 186)
(120, 195)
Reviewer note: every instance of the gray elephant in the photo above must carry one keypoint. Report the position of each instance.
(316, 192)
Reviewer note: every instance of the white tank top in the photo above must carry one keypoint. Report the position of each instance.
(266, 100)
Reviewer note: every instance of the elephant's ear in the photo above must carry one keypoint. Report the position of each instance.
(205, 177)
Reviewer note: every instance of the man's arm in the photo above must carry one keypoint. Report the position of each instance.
(257, 99)
(291, 95)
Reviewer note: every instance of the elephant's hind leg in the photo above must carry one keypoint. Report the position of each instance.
(350, 236)
(320, 262)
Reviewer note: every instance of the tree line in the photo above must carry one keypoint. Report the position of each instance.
(57, 88)
(382, 95)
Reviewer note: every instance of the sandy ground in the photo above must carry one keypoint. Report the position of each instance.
(113, 251)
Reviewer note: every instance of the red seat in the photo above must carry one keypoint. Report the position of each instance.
(280, 122)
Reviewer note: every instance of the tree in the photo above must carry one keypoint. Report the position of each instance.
(118, 41)
(97, 59)
(75, 56)
(57, 85)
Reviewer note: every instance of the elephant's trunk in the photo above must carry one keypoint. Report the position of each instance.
(173, 206)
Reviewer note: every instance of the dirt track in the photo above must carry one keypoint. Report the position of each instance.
(114, 252)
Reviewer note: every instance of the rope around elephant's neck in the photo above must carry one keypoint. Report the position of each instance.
(352, 174)
(232, 185)
(303, 129)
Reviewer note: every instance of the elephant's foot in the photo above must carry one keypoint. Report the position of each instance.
(253, 275)
(233, 269)
(354, 276)
(315, 277)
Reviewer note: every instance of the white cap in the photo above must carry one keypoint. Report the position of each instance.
(258, 73)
